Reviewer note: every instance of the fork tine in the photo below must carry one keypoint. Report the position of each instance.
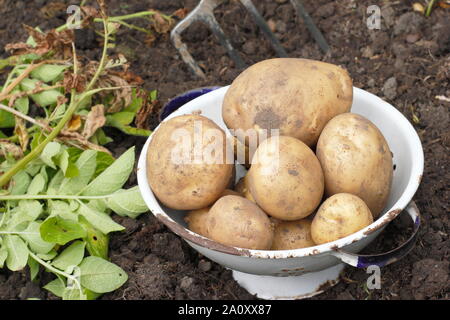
(264, 27)
(317, 35)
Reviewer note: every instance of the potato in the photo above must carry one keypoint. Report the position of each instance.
(356, 159)
(292, 235)
(242, 188)
(339, 216)
(196, 219)
(238, 222)
(180, 169)
(296, 96)
(285, 178)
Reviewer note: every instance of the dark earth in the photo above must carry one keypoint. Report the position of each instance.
(407, 63)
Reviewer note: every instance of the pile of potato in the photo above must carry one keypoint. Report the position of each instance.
(330, 177)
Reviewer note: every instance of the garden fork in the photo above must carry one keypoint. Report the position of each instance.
(203, 12)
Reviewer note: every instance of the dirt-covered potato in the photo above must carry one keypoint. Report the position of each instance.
(196, 219)
(356, 159)
(339, 216)
(285, 178)
(296, 96)
(187, 168)
(292, 235)
(238, 222)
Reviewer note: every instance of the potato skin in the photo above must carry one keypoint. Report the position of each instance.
(185, 186)
(290, 235)
(197, 219)
(289, 184)
(238, 222)
(356, 159)
(297, 96)
(242, 188)
(339, 216)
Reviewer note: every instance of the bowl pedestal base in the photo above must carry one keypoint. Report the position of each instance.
(290, 287)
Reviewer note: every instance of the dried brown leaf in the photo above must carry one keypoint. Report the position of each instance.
(143, 113)
(81, 141)
(7, 147)
(59, 43)
(74, 81)
(74, 123)
(160, 24)
(20, 130)
(95, 120)
(181, 13)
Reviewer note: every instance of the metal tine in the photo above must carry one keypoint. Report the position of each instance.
(264, 27)
(203, 12)
(301, 12)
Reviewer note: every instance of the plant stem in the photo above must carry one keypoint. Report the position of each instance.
(430, 8)
(21, 115)
(120, 18)
(103, 58)
(4, 179)
(54, 270)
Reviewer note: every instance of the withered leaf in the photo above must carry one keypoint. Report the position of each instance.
(143, 113)
(181, 13)
(7, 147)
(81, 141)
(20, 130)
(74, 123)
(95, 120)
(161, 24)
(74, 81)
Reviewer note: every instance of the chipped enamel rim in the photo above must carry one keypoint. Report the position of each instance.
(403, 125)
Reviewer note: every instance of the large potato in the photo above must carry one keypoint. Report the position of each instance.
(339, 216)
(197, 219)
(292, 235)
(187, 167)
(238, 222)
(296, 96)
(285, 178)
(356, 159)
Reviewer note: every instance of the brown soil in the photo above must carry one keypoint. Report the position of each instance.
(410, 48)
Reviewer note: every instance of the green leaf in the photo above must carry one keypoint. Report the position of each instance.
(6, 119)
(56, 287)
(73, 294)
(32, 208)
(67, 165)
(101, 276)
(86, 165)
(123, 118)
(44, 98)
(62, 209)
(33, 265)
(99, 220)
(127, 203)
(20, 183)
(104, 160)
(17, 252)
(48, 256)
(37, 185)
(97, 243)
(61, 231)
(134, 131)
(3, 256)
(50, 151)
(48, 72)
(22, 104)
(71, 256)
(34, 240)
(153, 95)
(55, 183)
(37, 138)
(100, 137)
(113, 178)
